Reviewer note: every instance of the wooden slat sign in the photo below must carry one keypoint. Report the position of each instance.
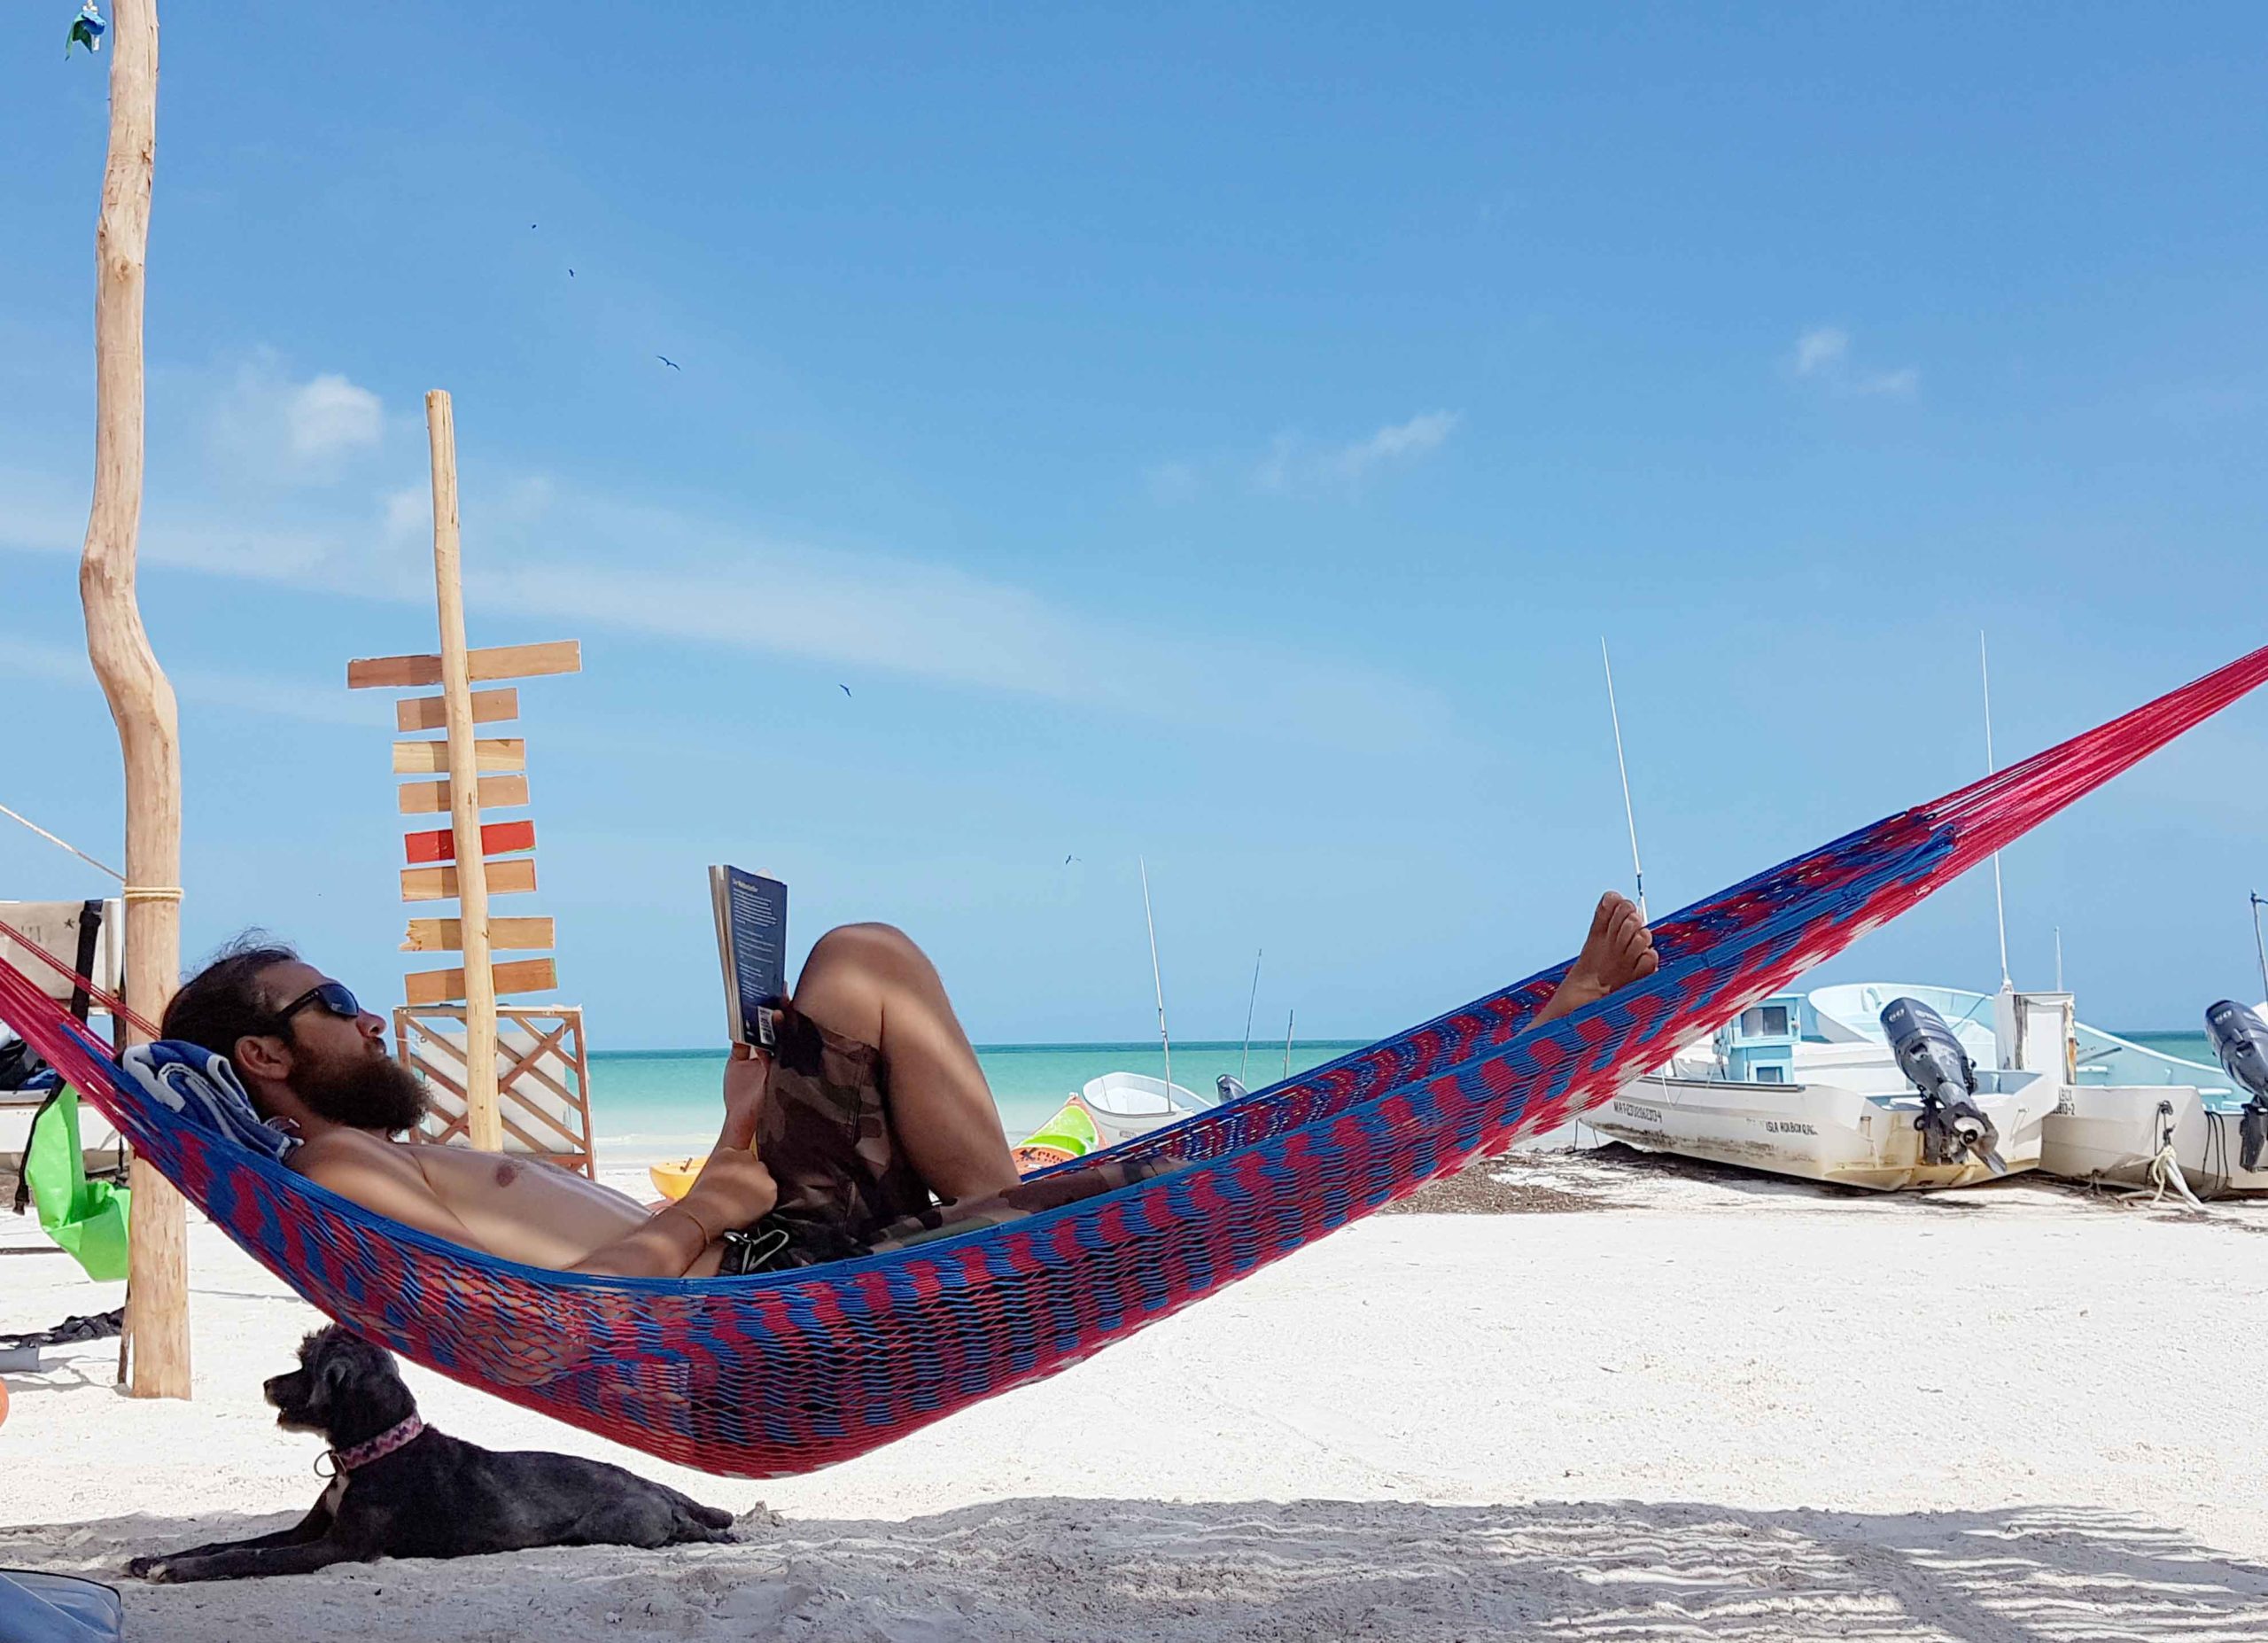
(491, 757)
(446, 935)
(503, 661)
(447, 986)
(427, 798)
(497, 838)
(431, 713)
(510, 877)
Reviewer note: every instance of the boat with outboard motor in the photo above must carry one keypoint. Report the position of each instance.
(2209, 1125)
(1915, 1111)
(1797, 1082)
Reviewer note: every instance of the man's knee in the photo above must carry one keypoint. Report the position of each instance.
(868, 946)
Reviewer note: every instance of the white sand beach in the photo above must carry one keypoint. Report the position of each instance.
(1660, 1402)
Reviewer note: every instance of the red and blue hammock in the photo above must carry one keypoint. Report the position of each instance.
(784, 1373)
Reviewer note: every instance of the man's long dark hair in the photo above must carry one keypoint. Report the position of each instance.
(221, 1002)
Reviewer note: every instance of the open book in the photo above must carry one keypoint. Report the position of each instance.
(752, 946)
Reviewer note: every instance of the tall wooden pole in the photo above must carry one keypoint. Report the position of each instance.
(487, 1130)
(141, 699)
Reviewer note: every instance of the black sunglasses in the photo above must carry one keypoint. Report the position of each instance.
(331, 997)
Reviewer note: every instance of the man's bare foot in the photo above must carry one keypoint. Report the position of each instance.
(1618, 951)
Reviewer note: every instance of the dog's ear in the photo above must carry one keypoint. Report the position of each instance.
(328, 1360)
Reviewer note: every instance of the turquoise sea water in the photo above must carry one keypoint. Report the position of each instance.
(647, 1104)
(2187, 1046)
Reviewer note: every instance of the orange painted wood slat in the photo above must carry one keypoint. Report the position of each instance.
(430, 713)
(513, 875)
(496, 838)
(447, 986)
(494, 792)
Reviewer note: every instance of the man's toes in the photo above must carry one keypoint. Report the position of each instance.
(1603, 915)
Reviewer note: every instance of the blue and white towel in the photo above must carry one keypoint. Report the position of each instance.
(203, 1087)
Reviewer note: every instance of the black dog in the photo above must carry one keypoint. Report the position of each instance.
(403, 1490)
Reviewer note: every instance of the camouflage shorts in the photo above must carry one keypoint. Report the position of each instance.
(846, 1188)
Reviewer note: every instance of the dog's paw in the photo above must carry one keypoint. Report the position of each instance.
(156, 1568)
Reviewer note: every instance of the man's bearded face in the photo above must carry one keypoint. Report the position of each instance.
(366, 1091)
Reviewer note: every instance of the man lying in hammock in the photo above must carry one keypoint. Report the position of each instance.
(844, 1140)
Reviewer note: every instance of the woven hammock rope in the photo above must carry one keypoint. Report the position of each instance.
(776, 1375)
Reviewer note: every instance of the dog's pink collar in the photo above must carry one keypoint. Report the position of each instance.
(384, 1444)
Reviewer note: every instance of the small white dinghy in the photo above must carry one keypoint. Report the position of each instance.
(1115, 1108)
(1930, 1119)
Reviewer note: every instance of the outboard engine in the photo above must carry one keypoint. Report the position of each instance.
(1229, 1087)
(2241, 1039)
(1954, 1127)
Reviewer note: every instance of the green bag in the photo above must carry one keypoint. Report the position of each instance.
(86, 1219)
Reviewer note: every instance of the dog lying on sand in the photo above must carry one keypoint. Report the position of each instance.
(404, 1490)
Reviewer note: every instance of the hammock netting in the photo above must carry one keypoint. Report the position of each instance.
(780, 1373)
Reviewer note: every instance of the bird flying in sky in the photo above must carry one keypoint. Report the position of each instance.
(667, 360)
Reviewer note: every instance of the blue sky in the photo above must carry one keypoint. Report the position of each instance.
(1215, 434)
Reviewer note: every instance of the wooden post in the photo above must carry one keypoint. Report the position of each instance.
(488, 1132)
(141, 699)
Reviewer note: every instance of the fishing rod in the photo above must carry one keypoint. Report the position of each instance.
(1157, 979)
(1999, 908)
(1630, 816)
(2258, 902)
(1248, 1003)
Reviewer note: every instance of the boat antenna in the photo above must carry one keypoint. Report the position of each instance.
(1288, 1019)
(2258, 902)
(2059, 958)
(1248, 1003)
(2000, 906)
(1629, 816)
(1157, 980)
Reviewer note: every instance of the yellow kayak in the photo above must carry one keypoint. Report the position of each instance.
(675, 1178)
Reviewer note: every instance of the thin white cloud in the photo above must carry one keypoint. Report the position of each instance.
(273, 429)
(1822, 355)
(252, 693)
(1902, 384)
(593, 562)
(408, 511)
(1294, 464)
(330, 416)
(1819, 349)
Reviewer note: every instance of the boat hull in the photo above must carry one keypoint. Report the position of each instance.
(2111, 1133)
(1817, 1131)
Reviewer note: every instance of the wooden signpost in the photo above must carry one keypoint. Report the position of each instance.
(446, 1029)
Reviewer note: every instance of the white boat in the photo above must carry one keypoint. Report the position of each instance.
(1825, 1132)
(1115, 1108)
(1807, 1084)
(2167, 1110)
(1801, 1083)
(2120, 1106)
